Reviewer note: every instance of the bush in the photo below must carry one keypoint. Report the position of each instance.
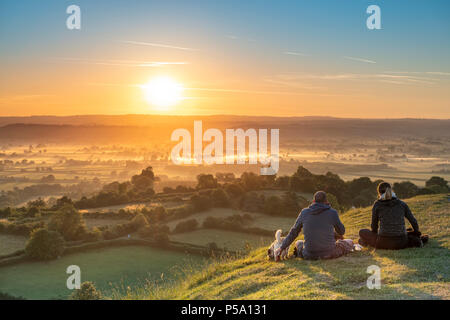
(273, 206)
(44, 245)
(94, 235)
(220, 198)
(6, 296)
(69, 223)
(87, 291)
(252, 202)
(201, 202)
(139, 221)
(186, 226)
(151, 231)
(405, 189)
(437, 181)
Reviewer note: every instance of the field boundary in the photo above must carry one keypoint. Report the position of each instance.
(20, 256)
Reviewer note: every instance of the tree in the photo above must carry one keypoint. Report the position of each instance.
(234, 190)
(186, 226)
(333, 201)
(220, 198)
(87, 291)
(139, 221)
(291, 203)
(145, 180)
(69, 223)
(405, 189)
(302, 172)
(273, 206)
(436, 181)
(250, 181)
(356, 185)
(201, 202)
(206, 181)
(44, 244)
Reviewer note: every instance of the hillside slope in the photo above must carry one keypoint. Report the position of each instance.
(419, 273)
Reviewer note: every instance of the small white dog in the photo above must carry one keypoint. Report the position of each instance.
(275, 245)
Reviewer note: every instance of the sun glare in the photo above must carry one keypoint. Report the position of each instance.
(163, 92)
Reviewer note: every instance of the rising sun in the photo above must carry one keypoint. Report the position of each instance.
(162, 92)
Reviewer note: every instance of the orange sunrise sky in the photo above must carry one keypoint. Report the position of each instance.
(280, 59)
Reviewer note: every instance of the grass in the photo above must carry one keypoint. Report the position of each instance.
(260, 220)
(100, 222)
(10, 243)
(111, 269)
(416, 273)
(229, 240)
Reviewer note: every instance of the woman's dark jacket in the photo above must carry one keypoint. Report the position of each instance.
(390, 216)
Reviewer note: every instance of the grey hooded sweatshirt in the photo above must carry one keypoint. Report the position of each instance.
(318, 221)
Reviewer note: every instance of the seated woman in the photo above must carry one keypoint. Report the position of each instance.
(389, 214)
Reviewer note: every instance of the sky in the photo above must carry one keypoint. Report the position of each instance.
(271, 58)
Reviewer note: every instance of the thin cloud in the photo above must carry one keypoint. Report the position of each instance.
(24, 97)
(121, 63)
(234, 37)
(360, 59)
(159, 45)
(384, 77)
(436, 73)
(293, 53)
(262, 92)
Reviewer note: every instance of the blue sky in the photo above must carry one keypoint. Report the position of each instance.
(260, 38)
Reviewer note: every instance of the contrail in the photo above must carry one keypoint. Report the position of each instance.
(152, 44)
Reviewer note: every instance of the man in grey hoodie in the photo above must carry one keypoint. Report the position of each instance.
(321, 226)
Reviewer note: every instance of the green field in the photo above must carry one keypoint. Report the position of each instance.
(260, 220)
(416, 273)
(10, 243)
(111, 268)
(229, 240)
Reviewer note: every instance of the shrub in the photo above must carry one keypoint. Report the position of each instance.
(206, 181)
(162, 238)
(201, 202)
(87, 291)
(186, 226)
(437, 181)
(405, 189)
(273, 206)
(6, 296)
(220, 198)
(94, 235)
(44, 245)
(69, 223)
(151, 231)
(139, 221)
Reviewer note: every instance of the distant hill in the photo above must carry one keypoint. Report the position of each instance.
(419, 273)
(142, 128)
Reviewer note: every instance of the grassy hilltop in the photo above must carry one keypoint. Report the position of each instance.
(419, 273)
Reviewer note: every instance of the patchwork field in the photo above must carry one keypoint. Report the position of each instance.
(416, 273)
(260, 220)
(112, 270)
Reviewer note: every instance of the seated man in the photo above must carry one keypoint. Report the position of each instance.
(319, 222)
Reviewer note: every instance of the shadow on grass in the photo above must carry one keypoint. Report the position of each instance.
(416, 273)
